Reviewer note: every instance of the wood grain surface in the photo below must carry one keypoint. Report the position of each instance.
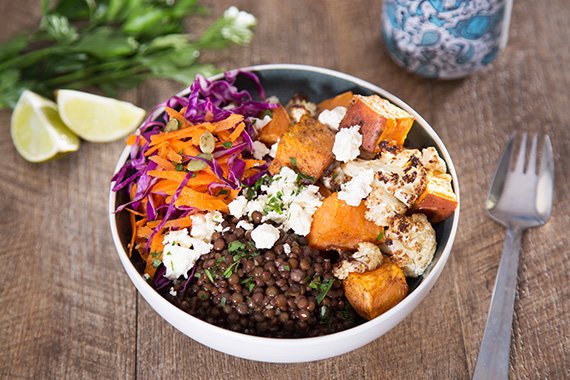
(70, 311)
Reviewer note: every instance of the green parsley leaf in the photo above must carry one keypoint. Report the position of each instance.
(380, 235)
(235, 246)
(223, 301)
(223, 192)
(267, 113)
(180, 167)
(227, 144)
(287, 268)
(156, 263)
(325, 287)
(209, 275)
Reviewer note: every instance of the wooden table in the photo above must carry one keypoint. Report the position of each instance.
(69, 309)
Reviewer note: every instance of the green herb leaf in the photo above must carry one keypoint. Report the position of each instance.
(227, 144)
(209, 275)
(180, 167)
(235, 246)
(267, 113)
(287, 268)
(325, 287)
(223, 301)
(380, 235)
(156, 263)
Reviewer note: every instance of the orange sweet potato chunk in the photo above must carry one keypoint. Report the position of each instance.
(337, 225)
(278, 125)
(309, 143)
(438, 201)
(374, 292)
(341, 100)
(379, 120)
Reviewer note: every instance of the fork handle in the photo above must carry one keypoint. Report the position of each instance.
(493, 359)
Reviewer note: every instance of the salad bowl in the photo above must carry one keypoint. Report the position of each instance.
(284, 81)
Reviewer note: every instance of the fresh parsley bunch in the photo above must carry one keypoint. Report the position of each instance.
(113, 45)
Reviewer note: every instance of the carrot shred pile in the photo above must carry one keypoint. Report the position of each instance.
(170, 153)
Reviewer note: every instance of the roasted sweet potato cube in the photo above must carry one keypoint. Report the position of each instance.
(379, 120)
(375, 292)
(279, 124)
(438, 201)
(341, 100)
(337, 225)
(309, 143)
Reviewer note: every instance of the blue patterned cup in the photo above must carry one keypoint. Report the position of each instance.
(445, 39)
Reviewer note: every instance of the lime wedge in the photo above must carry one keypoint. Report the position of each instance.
(37, 130)
(96, 118)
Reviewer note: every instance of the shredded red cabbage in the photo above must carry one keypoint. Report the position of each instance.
(206, 101)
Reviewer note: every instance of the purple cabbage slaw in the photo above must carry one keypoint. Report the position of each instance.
(211, 100)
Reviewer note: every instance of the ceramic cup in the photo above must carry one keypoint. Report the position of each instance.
(445, 39)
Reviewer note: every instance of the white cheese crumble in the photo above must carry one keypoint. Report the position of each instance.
(204, 225)
(347, 144)
(258, 124)
(181, 252)
(358, 188)
(245, 225)
(172, 292)
(273, 100)
(287, 248)
(264, 236)
(332, 118)
(259, 150)
(273, 150)
(237, 207)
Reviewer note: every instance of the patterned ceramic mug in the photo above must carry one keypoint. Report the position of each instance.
(445, 38)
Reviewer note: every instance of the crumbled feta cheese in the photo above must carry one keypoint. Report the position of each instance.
(347, 144)
(273, 150)
(258, 124)
(286, 248)
(255, 205)
(332, 118)
(172, 292)
(354, 167)
(204, 225)
(357, 188)
(264, 236)
(181, 252)
(259, 150)
(272, 99)
(238, 206)
(367, 258)
(245, 225)
(410, 242)
(432, 161)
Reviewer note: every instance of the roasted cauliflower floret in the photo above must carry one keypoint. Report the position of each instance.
(432, 161)
(382, 206)
(410, 243)
(367, 258)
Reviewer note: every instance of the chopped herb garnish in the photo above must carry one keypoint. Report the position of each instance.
(156, 263)
(235, 246)
(171, 263)
(223, 192)
(301, 177)
(223, 301)
(275, 203)
(249, 283)
(209, 275)
(380, 235)
(323, 311)
(180, 167)
(227, 144)
(287, 268)
(324, 289)
(203, 296)
(197, 274)
(267, 113)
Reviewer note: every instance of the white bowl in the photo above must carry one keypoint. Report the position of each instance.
(317, 83)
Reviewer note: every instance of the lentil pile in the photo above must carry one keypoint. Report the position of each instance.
(284, 292)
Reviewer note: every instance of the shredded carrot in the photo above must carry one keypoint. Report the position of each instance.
(228, 123)
(237, 132)
(162, 163)
(178, 116)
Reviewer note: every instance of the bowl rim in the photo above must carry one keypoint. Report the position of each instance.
(403, 308)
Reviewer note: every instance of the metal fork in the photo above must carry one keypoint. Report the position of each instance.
(519, 198)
